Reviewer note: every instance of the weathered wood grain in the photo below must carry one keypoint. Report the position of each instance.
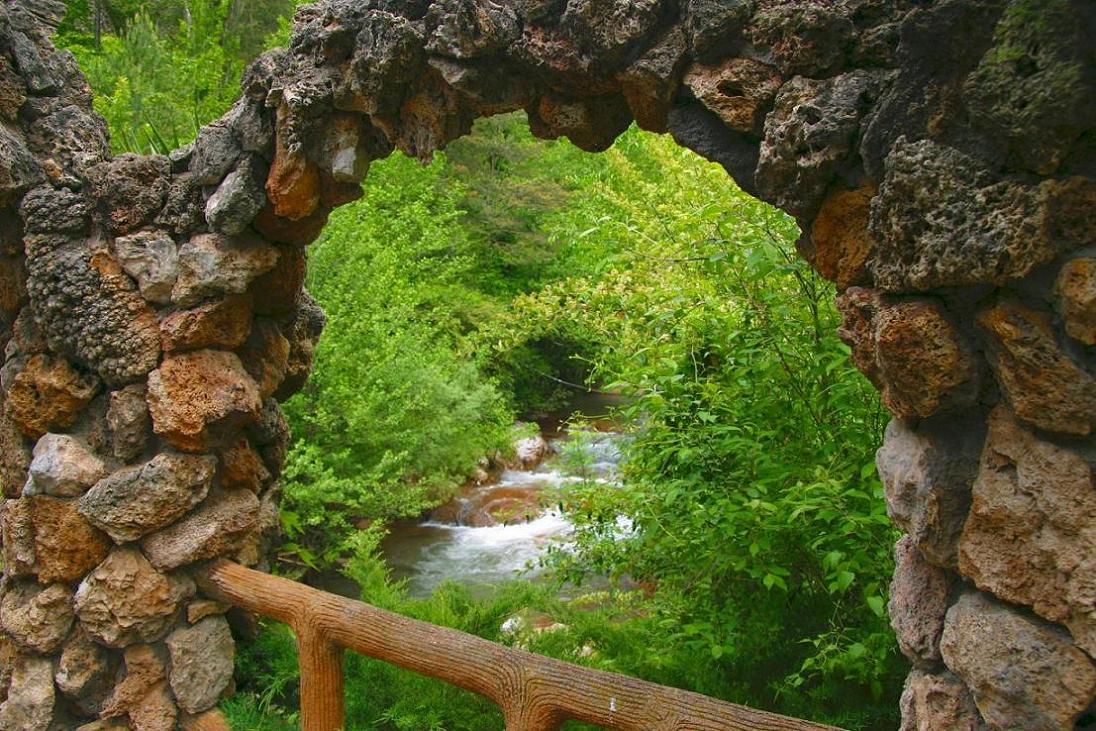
(535, 693)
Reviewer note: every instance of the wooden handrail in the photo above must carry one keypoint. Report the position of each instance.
(535, 693)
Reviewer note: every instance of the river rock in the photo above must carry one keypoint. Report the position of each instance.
(1042, 383)
(198, 399)
(152, 259)
(128, 421)
(142, 695)
(927, 472)
(1075, 292)
(48, 393)
(138, 500)
(125, 600)
(530, 451)
(1025, 674)
(63, 466)
(86, 672)
(211, 265)
(238, 199)
(31, 697)
(37, 617)
(1031, 535)
(223, 323)
(918, 602)
(66, 545)
(938, 701)
(202, 659)
(214, 529)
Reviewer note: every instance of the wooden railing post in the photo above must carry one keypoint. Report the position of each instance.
(320, 661)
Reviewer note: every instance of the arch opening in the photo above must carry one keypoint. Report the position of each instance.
(938, 158)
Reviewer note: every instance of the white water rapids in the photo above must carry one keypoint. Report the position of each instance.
(431, 552)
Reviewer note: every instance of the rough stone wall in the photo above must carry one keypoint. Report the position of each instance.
(940, 157)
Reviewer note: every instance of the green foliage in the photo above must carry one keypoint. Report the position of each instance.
(170, 67)
(749, 484)
(391, 419)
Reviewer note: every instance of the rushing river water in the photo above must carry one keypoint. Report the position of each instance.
(459, 544)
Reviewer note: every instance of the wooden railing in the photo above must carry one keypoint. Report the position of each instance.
(535, 693)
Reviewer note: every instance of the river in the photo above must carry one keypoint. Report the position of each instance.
(499, 530)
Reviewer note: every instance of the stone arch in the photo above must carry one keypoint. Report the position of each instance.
(939, 156)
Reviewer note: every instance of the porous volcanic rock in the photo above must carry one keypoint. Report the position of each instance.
(125, 600)
(943, 219)
(238, 199)
(66, 545)
(17, 534)
(138, 500)
(152, 259)
(1024, 674)
(142, 695)
(740, 91)
(212, 265)
(1043, 384)
(128, 421)
(840, 244)
(198, 399)
(242, 467)
(48, 393)
(912, 350)
(131, 189)
(223, 323)
(37, 617)
(86, 672)
(202, 657)
(265, 355)
(215, 528)
(1031, 535)
(90, 310)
